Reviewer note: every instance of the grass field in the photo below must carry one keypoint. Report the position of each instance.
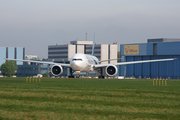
(53, 99)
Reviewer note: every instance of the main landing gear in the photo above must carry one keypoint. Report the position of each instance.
(71, 73)
(100, 71)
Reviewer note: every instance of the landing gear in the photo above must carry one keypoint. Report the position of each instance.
(71, 73)
(71, 76)
(101, 77)
(77, 76)
(100, 71)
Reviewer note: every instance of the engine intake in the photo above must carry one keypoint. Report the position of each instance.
(56, 70)
(111, 70)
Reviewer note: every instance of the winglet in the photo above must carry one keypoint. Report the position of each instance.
(93, 46)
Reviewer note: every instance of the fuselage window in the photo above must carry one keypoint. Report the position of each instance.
(77, 60)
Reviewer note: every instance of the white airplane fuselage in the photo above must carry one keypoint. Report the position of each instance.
(83, 63)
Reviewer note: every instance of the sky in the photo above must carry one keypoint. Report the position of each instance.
(36, 24)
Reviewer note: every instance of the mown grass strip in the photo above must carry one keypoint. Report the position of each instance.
(88, 99)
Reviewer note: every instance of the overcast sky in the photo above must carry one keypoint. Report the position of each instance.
(35, 24)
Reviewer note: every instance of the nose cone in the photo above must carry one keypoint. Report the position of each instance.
(76, 65)
(77, 62)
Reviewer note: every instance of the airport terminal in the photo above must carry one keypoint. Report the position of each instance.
(62, 53)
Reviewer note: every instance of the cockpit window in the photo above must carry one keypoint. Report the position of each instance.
(77, 60)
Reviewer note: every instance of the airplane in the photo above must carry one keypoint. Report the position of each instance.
(88, 63)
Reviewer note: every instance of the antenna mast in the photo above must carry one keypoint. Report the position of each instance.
(86, 36)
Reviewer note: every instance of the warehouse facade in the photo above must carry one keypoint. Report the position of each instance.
(155, 49)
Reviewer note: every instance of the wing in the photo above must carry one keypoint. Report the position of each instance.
(109, 60)
(42, 62)
(133, 62)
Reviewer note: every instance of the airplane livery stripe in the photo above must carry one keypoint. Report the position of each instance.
(94, 60)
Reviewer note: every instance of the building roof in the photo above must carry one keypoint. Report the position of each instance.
(81, 42)
(158, 40)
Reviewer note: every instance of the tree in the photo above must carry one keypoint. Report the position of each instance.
(45, 75)
(9, 68)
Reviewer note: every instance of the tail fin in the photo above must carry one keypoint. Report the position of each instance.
(93, 46)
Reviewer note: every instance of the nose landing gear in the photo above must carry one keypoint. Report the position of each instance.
(71, 73)
(78, 72)
(77, 76)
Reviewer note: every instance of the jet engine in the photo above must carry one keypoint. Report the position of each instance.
(111, 70)
(56, 70)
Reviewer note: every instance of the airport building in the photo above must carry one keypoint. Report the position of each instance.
(12, 52)
(154, 49)
(30, 70)
(63, 53)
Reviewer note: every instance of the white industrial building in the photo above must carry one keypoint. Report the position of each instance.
(63, 53)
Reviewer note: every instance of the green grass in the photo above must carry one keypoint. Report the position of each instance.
(53, 99)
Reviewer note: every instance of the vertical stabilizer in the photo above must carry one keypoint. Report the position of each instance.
(93, 46)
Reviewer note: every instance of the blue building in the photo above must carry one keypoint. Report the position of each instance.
(155, 49)
(27, 70)
(12, 52)
(31, 70)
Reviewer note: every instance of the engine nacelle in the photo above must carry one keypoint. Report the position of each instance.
(56, 70)
(111, 70)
